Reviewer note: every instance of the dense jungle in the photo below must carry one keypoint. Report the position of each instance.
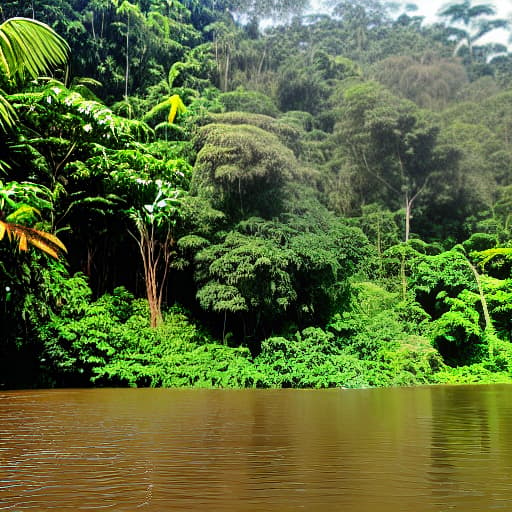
(231, 193)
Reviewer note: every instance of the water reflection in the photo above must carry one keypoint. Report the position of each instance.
(392, 450)
(470, 456)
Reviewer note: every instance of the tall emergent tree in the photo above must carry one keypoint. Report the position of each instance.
(470, 23)
(392, 146)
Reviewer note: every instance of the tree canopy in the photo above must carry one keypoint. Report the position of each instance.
(241, 193)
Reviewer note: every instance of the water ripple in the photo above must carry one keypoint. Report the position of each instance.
(427, 450)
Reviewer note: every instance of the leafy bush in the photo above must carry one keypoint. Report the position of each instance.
(109, 342)
(316, 359)
(387, 335)
(309, 360)
(473, 374)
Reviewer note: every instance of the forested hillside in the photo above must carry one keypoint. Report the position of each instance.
(244, 194)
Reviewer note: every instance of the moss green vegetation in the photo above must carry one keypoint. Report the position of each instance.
(187, 199)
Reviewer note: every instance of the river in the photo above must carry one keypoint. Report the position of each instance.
(446, 448)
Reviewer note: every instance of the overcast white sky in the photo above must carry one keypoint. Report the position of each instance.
(429, 8)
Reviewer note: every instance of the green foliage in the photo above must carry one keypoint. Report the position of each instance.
(317, 359)
(279, 273)
(32, 289)
(236, 220)
(286, 133)
(29, 48)
(246, 272)
(108, 342)
(7, 115)
(473, 374)
(174, 105)
(489, 254)
(457, 332)
(470, 23)
(20, 207)
(77, 118)
(390, 149)
(448, 271)
(243, 169)
(301, 89)
(309, 360)
(381, 228)
(249, 101)
(431, 82)
(387, 334)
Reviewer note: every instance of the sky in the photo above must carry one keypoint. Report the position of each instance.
(429, 8)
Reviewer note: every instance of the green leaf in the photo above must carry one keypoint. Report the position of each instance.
(29, 47)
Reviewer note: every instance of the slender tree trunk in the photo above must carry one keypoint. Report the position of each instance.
(93, 28)
(226, 72)
(403, 277)
(489, 327)
(127, 57)
(408, 207)
(156, 257)
(240, 195)
(379, 247)
(217, 59)
(260, 66)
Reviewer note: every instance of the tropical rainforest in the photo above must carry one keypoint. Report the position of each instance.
(231, 193)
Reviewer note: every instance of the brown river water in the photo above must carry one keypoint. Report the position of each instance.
(383, 450)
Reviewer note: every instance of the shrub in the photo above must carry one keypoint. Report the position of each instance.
(110, 343)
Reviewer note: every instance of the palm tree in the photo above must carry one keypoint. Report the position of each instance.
(132, 12)
(28, 48)
(474, 20)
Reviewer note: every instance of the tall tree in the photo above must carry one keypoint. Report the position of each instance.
(430, 81)
(361, 17)
(470, 23)
(392, 145)
(156, 238)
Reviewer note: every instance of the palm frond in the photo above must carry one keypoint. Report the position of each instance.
(169, 126)
(174, 104)
(481, 10)
(26, 236)
(29, 47)
(7, 115)
(177, 107)
(162, 106)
